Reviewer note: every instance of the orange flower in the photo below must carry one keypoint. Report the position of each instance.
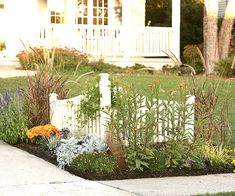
(46, 130)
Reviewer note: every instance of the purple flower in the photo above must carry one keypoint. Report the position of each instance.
(1, 104)
(19, 91)
(7, 99)
(64, 132)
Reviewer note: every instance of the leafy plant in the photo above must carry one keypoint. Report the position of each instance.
(176, 152)
(158, 164)
(216, 156)
(137, 122)
(50, 143)
(99, 163)
(69, 148)
(226, 66)
(90, 105)
(138, 158)
(13, 117)
(90, 143)
(66, 150)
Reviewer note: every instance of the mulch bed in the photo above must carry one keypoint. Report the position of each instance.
(41, 153)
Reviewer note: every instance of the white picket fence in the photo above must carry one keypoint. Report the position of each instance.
(64, 113)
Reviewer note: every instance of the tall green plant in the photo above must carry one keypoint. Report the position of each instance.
(138, 122)
(13, 117)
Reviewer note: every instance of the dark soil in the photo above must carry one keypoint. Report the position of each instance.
(38, 151)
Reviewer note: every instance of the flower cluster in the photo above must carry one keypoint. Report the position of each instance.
(46, 131)
(233, 162)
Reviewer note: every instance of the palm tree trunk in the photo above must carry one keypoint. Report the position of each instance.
(225, 33)
(210, 29)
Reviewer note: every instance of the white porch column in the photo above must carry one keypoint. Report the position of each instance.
(176, 27)
(21, 18)
(133, 16)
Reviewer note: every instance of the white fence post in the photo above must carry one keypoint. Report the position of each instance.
(52, 100)
(191, 112)
(105, 101)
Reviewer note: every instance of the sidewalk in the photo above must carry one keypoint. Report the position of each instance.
(22, 174)
(177, 186)
(15, 73)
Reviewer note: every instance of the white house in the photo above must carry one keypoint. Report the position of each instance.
(222, 7)
(113, 30)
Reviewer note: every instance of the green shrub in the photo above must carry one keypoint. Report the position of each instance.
(13, 118)
(224, 67)
(100, 163)
(192, 57)
(101, 66)
(176, 153)
(158, 164)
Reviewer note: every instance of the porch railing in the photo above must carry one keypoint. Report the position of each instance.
(111, 41)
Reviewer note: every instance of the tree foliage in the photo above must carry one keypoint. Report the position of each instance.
(159, 13)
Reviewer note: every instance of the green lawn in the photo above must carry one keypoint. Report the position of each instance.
(220, 194)
(167, 82)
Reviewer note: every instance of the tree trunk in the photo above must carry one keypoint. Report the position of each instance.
(225, 33)
(210, 29)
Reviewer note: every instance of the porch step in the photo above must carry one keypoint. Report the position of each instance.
(156, 63)
(9, 63)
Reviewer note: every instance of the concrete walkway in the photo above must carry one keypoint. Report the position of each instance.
(22, 174)
(177, 185)
(15, 73)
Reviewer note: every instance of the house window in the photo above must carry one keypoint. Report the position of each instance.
(81, 12)
(57, 11)
(57, 17)
(100, 12)
(1, 5)
(93, 12)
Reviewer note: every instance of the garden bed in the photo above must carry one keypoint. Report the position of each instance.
(38, 151)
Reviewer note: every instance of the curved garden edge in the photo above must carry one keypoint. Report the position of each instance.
(43, 154)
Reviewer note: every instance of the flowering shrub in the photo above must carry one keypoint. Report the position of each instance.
(64, 58)
(46, 131)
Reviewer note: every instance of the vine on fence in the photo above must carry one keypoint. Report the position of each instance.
(90, 105)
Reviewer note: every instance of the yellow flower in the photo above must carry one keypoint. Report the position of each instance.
(233, 162)
(183, 84)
